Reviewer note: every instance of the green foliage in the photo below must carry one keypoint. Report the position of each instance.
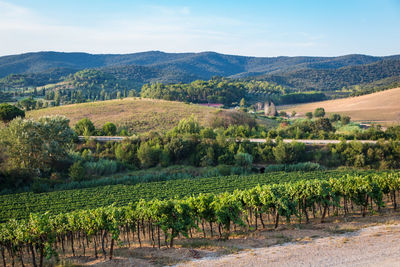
(174, 217)
(335, 117)
(299, 97)
(187, 126)
(109, 129)
(322, 124)
(148, 154)
(242, 102)
(302, 166)
(20, 205)
(345, 120)
(309, 115)
(282, 114)
(84, 127)
(9, 112)
(331, 79)
(125, 152)
(36, 145)
(244, 160)
(213, 91)
(288, 153)
(101, 167)
(319, 112)
(77, 171)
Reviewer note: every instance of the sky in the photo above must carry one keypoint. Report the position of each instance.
(253, 28)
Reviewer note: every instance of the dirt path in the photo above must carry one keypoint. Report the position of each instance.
(372, 246)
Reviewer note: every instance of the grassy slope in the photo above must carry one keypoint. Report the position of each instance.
(382, 107)
(139, 115)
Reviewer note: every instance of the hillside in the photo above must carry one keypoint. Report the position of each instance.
(386, 71)
(381, 107)
(200, 65)
(136, 114)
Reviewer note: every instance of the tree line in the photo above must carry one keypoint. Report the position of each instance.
(48, 147)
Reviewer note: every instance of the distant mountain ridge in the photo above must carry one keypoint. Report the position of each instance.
(190, 66)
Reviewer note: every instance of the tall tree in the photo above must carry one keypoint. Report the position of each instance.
(9, 112)
(35, 146)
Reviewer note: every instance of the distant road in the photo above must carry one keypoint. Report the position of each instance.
(253, 140)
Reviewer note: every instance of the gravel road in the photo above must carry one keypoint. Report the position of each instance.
(372, 246)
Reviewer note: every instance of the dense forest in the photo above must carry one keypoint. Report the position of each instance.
(337, 79)
(202, 65)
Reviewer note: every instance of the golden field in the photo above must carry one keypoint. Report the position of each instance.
(139, 115)
(381, 107)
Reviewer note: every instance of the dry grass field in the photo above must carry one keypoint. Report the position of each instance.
(382, 107)
(136, 114)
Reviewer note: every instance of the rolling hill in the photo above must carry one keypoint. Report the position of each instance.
(135, 114)
(381, 107)
(202, 65)
(335, 79)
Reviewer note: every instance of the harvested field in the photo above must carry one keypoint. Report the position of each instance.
(381, 107)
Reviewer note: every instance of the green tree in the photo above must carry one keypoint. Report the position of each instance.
(244, 160)
(335, 117)
(188, 126)
(242, 103)
(148, 155)
(125, 152)
(36, 145)
(109, 129)
(77, 171)
(345, 120)
(282, 113)
(323, 124)
(319, 112)
(84, 127)
(9, 112)
(309, 115)
(288, 153)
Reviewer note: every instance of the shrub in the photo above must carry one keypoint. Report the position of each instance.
(9, 112)
(319, 112)
(101, 167)
(77, 171)
(345, 120)
(148, 155)
(288, 153)
(244, 160)
(335, 117)
(109, 129)
(84, 127)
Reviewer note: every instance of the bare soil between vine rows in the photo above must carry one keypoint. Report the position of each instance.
(341, 241)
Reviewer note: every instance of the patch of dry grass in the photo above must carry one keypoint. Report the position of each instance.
(136, 114)
(381, 107)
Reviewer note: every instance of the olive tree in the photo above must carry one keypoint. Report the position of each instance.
(35, 146)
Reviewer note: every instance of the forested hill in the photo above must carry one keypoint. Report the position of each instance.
(188, 65)
(381, 73)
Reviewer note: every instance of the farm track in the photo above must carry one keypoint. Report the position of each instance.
(252, 140)
(372, 246)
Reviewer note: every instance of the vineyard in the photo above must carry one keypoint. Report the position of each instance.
(19, 206)
(159, 222)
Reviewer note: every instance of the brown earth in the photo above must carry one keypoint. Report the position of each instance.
(341, 241)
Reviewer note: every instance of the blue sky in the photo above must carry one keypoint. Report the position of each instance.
(253, 28)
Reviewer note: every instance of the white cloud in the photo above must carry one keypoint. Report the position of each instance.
(171, 29)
